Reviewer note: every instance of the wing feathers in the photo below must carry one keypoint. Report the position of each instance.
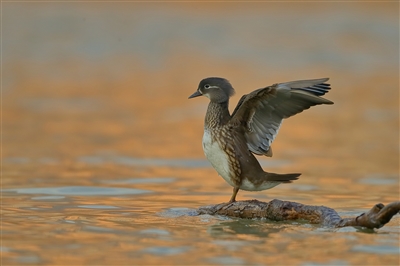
(297, 84)
(309, 98)
(264, 109)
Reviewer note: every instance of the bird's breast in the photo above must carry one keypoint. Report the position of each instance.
(218, 157)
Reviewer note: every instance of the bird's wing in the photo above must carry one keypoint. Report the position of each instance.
(261, 111)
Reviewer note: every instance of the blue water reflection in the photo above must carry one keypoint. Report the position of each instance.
(79, 191)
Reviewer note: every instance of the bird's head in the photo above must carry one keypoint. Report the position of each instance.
(216, 89)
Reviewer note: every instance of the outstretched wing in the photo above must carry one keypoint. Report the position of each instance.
(262, 110)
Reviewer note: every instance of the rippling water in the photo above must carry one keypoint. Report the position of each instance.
(101, 150)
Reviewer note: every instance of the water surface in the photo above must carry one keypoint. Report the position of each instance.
(102, 161)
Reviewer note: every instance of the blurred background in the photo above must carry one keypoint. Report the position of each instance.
(99, 138)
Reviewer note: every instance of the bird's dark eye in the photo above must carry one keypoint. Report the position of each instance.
(207, 86)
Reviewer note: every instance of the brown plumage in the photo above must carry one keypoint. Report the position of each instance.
(230, 141)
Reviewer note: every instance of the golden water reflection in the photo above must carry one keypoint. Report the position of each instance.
(102, 161)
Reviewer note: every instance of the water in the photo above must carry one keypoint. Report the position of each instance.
(102, 161)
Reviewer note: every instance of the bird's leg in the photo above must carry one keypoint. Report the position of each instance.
(233, 198)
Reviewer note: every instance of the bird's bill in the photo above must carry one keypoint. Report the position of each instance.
(196, 94)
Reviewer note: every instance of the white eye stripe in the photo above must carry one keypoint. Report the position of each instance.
(208, 86)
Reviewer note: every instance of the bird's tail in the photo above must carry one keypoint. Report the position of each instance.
(283, 178)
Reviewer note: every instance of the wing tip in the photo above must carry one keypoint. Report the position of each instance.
(310, 96)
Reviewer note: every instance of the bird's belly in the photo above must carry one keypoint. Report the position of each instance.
(217, 157)
(249, 186)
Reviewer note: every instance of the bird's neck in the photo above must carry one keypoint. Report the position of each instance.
(217, 114)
